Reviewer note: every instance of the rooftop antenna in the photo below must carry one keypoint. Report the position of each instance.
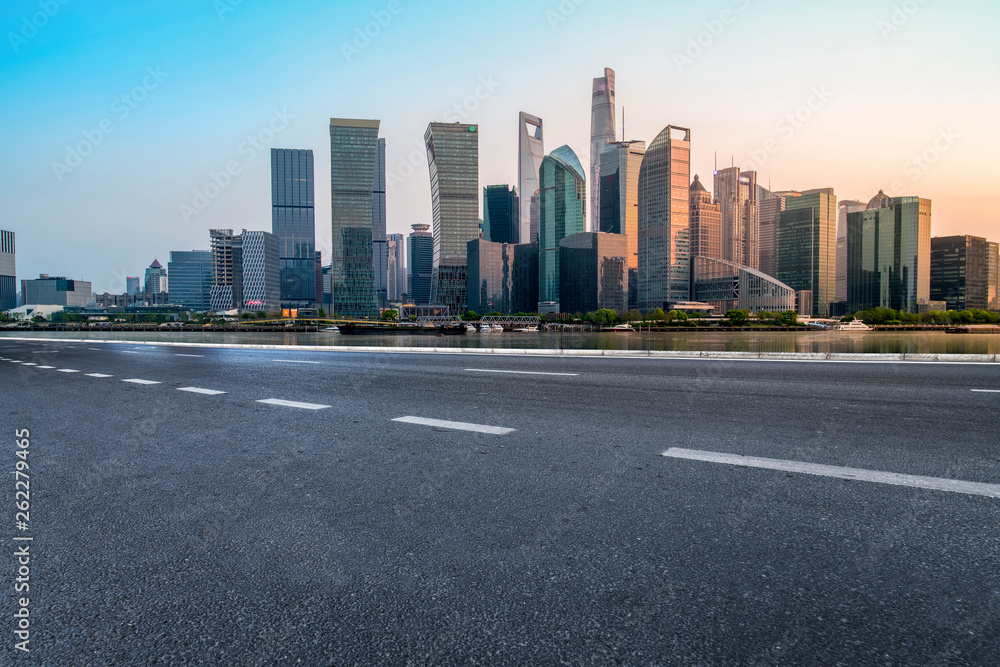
(716, 161)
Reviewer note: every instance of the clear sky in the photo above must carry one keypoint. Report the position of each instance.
(905, 96)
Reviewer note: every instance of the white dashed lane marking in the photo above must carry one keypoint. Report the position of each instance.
(289, 361)
(294, 404)
(987, 391)
(189, 355)
(99, 375)
(457, 426)
(67, 370)
(136, 381)
(487, 370)
(199, 390)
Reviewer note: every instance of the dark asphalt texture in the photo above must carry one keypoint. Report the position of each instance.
(173, 528)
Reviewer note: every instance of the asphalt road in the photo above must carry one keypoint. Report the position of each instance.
(174, 526)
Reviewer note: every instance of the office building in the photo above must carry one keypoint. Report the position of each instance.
(619, 193)
(960, 272)
(530, 153)
(293, 221)
(380, 253)
(736, 194)
(133, 285)
(354, 163)
(227, 270)
(993, 284)
(156, 279)
(730, 286)
(453, 162)
(191, 279)
(56, 291)
(889, 254)
(8, 272)
(602, 132)
(261, 272)
(420, 265)
(664, 211)
(396, 250)
(806, 245)
(561, 213)
(594, 272)
(705, 223)
(769, 207)
(501, 208)
(503, 277)
(845, 207)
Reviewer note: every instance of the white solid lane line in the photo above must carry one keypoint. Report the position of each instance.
(987, 391)
(858, 474)
(289, 361)
(67, 370)
(99, 375)
(189, 355)
(28, 364)
(199, 390)
(457, 426)
(488, 370)
(294, 404)
(135, 381)
(46, 366)
(129, 352)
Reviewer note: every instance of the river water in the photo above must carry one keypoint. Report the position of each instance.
(743, 341)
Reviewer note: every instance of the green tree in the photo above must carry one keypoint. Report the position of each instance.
(390, 315)
(321, 313)
(470, 316)
(605, 317)
(738, 318)
(634, 315)
(656, 315)
(787, 318)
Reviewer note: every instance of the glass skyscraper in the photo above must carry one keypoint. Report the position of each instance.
(156, 278)
(602, 132)
(736, 194)
(619, 196)
(593, 272)
(354, 151)
(770, 205)
(453, 161)
(530, 153)
(261, 275)
(664, 214)
(293, 221)
(420, 265)
(500, 214)
(562, 211)
(8, 274)
(380, 252)
(227, 269)
(806, 246)
(191, 279)
(843, 208)
(705, 223)
(503, 277)
(960, 272)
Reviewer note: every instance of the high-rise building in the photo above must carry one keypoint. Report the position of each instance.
(602, 132)
(664, 211)
(293, 221)
(769, 205)
(562, 211)
(530, 153)
(396, 245)
(843, 208)
(705, 223)
(501, 207)
(354, 161)
(133, 285)
(993, 260)
(960, 272)
(889, 254)
(503, 277)
(156, 278)
(420, 265)
(227, 269)
(619, 193)
(56, 291)
(8, 272)
(380, 254)
(191, 279)
(262, 272)
(806, 245)
(736, 194)
(594, 272)
(453, 162)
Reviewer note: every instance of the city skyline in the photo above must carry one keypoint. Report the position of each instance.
(197, 110)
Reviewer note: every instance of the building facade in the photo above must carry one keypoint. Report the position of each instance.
(530, 153)
(562, 211)
(133, 285)
(261, 272)
(806, 245)
(664, 208)
(453, 162)
(993, 260)
(770, 206)
(191, 279)
(730, 286)
(889, 254)
(8, 271)
(594, 272)
(960, 272)
(380, 252)
(845, 207)
(354, 160)
(420, 265)
(396, 246)
(602, 132)
(293, 221)
(503, 277)
(501, 208)
(56, 291)
(227, 269)
(619, 193)
(156, 278)
(705, 223)
(736, 194)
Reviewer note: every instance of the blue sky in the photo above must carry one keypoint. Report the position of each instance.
(905, 96)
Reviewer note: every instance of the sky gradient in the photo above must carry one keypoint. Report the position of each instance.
(904, 96)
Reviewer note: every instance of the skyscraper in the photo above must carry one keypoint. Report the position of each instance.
(562, 211)
(770, 206)
(619, 193)
(530, 153)
(843, 208)
(354, 159)
(993, 262)
(501, 208)
(420, 265)
(156, 278)
(594, 272)
(602, 132)
(453, 162)
(132, 284)
(191, 279)
(227, 269)
(380, 256)
(736, 194)
(503, 277)
(664, 213)
(261, 272)
(396, 244)
(705, 223)
(960, 272)
(293, 221)
(806, 245)
(8, 273)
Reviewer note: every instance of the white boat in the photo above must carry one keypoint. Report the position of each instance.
(471, 328)
(485, 328)
(853, 325)
(498, 328)
(619, 328)
(532, 329)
